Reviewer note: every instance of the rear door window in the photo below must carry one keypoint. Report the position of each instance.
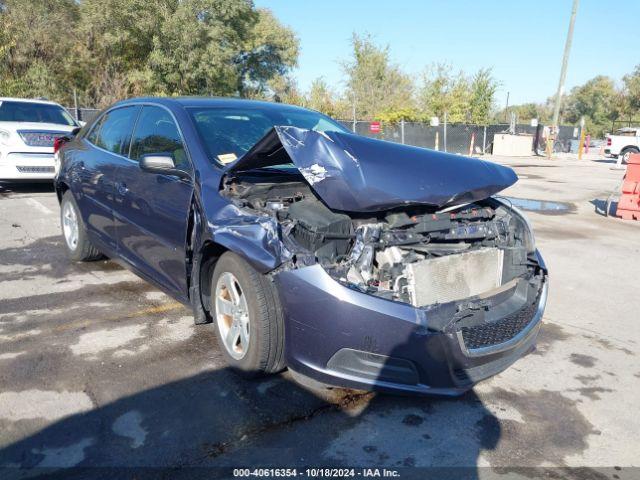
(114, 130)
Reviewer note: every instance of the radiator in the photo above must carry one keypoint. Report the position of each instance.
(454, 277)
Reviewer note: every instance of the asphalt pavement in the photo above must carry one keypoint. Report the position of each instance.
(100, 369)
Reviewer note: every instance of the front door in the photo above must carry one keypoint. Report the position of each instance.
(152, 210)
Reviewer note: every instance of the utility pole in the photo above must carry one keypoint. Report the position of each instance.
(445, 131)
(75, 105)
(565, 61)
(354, 112)
(506, 109)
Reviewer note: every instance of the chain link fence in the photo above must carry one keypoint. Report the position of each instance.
(459, 137)
(616, 124)
(83, 114)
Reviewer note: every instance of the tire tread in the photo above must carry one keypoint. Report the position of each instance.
(271, 352)
(85, 251)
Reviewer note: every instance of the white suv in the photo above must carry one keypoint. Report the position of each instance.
(28, 129)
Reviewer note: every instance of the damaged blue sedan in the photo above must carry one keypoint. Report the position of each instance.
(353, 261)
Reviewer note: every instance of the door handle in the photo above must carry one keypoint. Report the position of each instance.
(121, 187)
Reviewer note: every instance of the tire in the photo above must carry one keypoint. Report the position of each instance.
(248, 321)
(78, 246)
(628, 151)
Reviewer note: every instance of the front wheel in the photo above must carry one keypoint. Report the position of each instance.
(248, 318)
(77, 244)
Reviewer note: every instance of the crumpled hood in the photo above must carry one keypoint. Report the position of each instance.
(359, 174)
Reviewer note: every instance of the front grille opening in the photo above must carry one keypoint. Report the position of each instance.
(500, 331)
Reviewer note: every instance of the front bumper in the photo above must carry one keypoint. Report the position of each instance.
(27, 166)
(339, 336)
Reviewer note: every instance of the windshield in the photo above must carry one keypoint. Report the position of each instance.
(34, 112)
(228, 133)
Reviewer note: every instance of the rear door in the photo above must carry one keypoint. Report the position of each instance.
(151, 209)
(97, 162)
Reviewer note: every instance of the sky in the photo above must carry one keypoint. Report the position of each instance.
(521, 41)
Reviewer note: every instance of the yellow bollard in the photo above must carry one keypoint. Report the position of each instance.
(550, 141)
(581, 146)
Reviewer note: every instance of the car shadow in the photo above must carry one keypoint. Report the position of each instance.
(7, 188)
(605, 160)
(207, 424)
(47, 257)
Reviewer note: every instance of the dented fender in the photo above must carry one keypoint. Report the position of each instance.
(253, 236)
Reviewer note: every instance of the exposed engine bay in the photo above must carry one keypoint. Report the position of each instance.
(413, 254)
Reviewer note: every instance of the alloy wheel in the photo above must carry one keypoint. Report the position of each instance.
(232, 315)
(70, 225)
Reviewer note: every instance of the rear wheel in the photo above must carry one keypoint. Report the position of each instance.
(248, 317)
(627, 152)
(77, 243)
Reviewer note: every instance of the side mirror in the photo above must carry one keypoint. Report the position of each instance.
(162, 163)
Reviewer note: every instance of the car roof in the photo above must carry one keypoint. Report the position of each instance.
(190, 102)
(28, 100)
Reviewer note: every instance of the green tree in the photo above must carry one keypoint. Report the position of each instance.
(596, 100)
(482, 96)
(32, 47)
(443, 91)
(459, 97)
(630, 97)
(281, 89)
(433, 95)
(269, 51)
(322, 98)
(524, 113)
(375, 84)
(117, 42)
(397, 115)
(112, 49)
(215, 47)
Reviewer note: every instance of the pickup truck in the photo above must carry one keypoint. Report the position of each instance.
(623, 142)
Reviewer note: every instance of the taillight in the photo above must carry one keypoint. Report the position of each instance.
(57, 143)
(608, 141)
